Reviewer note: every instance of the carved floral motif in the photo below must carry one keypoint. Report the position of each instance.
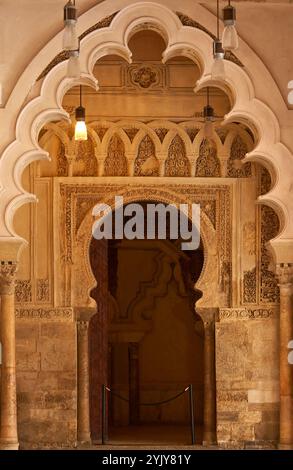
(177, 163)
(116, 163)
(144, 76)
(207, 163)
(146, 163)
(23, 291)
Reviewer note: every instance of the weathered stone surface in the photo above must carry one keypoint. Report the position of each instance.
(242, 432)
(250, 417)
(28, 361)
(227, 416)
(267, 431)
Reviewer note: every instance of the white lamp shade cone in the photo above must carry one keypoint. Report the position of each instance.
(230, 38)
(208, 129)
(73, 68)
(218, 69)
(70, 39)
(80, 131)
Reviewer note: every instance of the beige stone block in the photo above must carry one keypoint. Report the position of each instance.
(250, 417)
(223, 432)
(27, 329)
(242, 432)
(26, 381)
(267, 431)
(232, 346)
(62, 331)
(48, 400)
(263, 396)
(28, 362)
(27, 345)
(57, 361)
(227, 416)
(67, 381)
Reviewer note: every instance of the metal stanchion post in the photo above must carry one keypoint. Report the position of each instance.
(191, 408)
(104, 404)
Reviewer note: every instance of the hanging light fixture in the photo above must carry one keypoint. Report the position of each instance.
(218, 68)
(70, 39)
(73, 67)
(208, 114)
(230, 37)
(80, 126)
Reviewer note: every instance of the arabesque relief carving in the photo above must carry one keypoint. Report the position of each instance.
(177, 163)
(146, 163)
(116, 163)
(207, 163)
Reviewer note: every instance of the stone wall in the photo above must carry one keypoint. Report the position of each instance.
(46, 383)
(247, 377)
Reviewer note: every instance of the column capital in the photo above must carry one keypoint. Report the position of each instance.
(82, 327)
(284, 273)
(8, 271)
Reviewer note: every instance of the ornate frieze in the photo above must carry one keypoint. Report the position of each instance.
(45, 314)
(247, 313)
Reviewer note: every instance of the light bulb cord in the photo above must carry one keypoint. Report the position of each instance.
(218, 20)
(208, 96)
(80, 95)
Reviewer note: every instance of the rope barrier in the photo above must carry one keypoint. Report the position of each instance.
(163, 402)
(104, 409)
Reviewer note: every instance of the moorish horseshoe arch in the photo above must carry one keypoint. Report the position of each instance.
(182, 40)
(81, 250)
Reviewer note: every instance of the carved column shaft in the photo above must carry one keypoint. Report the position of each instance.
(8, 428)
(285, 277)
(133, 351)
(83, 403)
(209, 433)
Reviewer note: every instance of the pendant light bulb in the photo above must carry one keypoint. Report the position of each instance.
(70, 39)
(208, 114)
(80, 132)
(218, 68)
(73, 67)
(230, 36)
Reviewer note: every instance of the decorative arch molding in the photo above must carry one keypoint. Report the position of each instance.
(46, 105)
(82, 276)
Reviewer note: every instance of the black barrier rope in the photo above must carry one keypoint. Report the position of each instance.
(104, 406)
(149, 404)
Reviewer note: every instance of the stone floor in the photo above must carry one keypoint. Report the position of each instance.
(152, 437)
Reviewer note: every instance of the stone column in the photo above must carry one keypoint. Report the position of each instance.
(209, 431)
(83, 402)
(133, 352)
(285, 277)
(8, 427)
